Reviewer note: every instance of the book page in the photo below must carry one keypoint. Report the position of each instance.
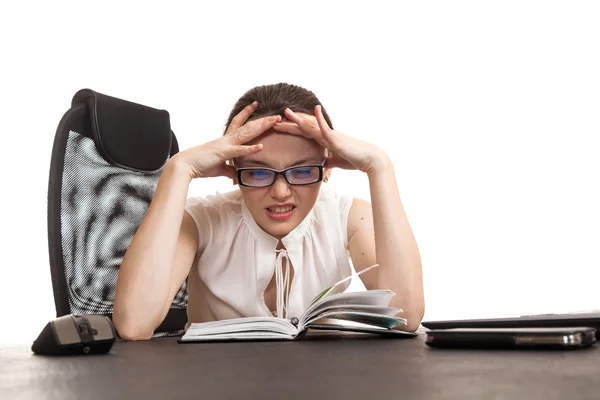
(236, 337)
(388, 311)
(317, 312)
(378, 320)
(241, 328)
(330, 288)
(377, 298)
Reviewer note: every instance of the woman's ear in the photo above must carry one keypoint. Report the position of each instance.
(326, 173)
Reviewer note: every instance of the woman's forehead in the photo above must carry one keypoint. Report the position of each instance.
(281, 150)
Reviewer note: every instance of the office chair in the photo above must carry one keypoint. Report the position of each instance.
(107, 157)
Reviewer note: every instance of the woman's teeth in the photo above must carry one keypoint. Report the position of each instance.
(280, 210)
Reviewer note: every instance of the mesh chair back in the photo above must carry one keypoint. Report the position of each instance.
(106, 161)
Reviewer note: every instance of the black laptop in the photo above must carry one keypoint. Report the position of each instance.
(591, 319)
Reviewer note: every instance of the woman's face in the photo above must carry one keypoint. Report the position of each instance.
(280, 151)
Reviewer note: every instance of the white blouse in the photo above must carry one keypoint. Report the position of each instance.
(236, 259)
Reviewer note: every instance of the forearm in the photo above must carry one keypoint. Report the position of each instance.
(144, 278)
(396, 248)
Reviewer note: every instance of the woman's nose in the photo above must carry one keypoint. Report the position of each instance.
(280, 188)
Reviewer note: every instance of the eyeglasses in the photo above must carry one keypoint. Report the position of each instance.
(297, 176)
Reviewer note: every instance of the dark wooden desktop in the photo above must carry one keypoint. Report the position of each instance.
(322, 365)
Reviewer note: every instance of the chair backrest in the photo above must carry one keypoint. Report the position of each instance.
(107, 157)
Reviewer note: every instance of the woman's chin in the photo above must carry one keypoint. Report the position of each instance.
(280, 229)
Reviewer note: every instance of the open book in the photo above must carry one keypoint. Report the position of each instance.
(367, 311)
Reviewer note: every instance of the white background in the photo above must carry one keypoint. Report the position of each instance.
(489, 110)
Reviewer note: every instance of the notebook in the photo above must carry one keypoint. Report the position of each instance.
(588, 318)
(366, 311)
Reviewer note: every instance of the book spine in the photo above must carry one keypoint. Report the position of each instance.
(301, 334)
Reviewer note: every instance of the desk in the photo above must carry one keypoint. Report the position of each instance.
(324, 365)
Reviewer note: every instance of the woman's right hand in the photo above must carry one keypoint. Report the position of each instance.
(208, 160)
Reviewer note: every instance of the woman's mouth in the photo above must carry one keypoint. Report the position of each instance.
(280, 213)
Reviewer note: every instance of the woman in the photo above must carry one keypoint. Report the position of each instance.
(272, 245)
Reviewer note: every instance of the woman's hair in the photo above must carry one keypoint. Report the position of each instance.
(274, 99)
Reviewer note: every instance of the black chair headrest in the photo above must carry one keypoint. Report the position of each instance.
(127, 134)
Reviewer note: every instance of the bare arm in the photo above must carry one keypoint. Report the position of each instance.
(382, 234)
(158, 259)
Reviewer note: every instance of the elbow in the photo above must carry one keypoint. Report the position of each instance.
(416, 314)
(413, 313)
(127, 330)
(413, 320)
(133, 335)
(411, 326)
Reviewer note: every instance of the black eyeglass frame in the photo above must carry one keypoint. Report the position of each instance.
(280, 172)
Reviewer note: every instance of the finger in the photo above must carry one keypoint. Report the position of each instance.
(242, 116)
(308, 124)
(291, 127)
(321, 121)
(302, 120)
(254, 128)
(240, 151)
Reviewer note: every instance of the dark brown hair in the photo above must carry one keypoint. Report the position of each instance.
(274, 99)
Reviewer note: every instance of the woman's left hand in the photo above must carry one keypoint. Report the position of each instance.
(345, 152)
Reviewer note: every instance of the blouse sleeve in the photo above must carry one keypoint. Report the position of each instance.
(197, 208)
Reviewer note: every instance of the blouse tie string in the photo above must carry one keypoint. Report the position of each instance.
(283, 283)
